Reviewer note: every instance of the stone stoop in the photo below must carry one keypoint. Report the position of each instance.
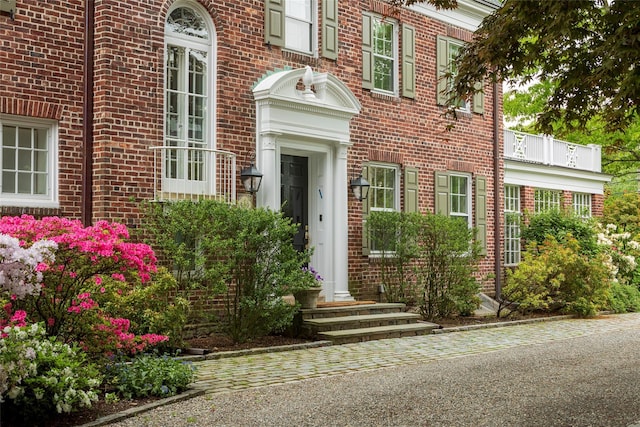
(357, 323)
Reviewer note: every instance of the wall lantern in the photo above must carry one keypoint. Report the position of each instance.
(360, 187)
(251, 179)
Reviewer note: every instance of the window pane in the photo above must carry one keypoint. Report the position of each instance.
(24, 160)
(8, 182)
(8, 158)
(40, 160)
(24, 183)
(300, 9)
(8, 136)
(40, 184)
(186, 21)
(298, 35)
(24, 137)
(40, 139)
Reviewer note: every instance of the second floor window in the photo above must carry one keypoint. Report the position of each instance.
(299, 25)
(380, 54)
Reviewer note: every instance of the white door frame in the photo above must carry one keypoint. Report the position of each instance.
(312, 123)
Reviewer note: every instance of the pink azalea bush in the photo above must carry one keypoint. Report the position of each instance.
(59, 280)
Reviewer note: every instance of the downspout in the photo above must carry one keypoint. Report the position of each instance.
(496, 192)
(87, 115)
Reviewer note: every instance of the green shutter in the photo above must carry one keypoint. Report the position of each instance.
(366, 246)
(408, 61)
(481, 213)
(367, 51)
(330, 29)
(274, 22)
(478, 100)
(442, 66)
(442, 193)
(411, 190)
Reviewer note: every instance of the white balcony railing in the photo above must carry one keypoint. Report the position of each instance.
(193, 173)
(549, 151)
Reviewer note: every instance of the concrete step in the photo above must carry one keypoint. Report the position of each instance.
(377, 333)
(361, 321)
(352, 310)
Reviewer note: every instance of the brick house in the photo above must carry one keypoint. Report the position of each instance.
(171, 98)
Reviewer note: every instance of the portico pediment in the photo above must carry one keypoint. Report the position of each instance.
(302, 88)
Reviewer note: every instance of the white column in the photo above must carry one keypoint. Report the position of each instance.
(266, 162)
(341, 227)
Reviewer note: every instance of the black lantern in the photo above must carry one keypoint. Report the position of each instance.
(251, 179)
(360, 187)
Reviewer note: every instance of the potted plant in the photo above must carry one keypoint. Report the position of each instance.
(307, 294)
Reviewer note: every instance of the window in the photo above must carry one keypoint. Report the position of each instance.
(546, 200)
(447, 50)
(512, 224)
(380, 53)
(453, 198)
(380, 56)
(384, 195)
(189, 86)
(292, 24)
(298, 26)
(582, 204)
(29, 160)
(459, 196)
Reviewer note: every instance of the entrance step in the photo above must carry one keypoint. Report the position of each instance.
(362, 322)
(377, 333)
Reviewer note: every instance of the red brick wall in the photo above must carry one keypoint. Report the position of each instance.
(46, 42)
(41, 53)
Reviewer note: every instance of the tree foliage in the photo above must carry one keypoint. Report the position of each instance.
(588, 49)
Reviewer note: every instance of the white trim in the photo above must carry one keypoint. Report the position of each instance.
(468, 15)
(313, 123)
(51, 199)
(553, 177)
(469, 194)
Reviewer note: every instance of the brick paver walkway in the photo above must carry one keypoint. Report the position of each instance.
(221, 375)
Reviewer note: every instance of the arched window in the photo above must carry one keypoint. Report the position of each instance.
(189, 120)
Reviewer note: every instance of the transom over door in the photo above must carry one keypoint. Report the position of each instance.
(294, 195)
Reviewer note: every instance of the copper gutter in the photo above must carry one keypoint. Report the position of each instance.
(496, 192)
(87, 115)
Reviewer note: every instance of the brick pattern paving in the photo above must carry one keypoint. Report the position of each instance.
(258, 370)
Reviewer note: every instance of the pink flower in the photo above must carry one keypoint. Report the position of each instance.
(102, 290)
(98, 280)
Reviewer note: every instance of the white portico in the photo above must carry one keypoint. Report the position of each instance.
(304, 117)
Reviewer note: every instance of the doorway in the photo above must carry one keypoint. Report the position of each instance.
(294, 190)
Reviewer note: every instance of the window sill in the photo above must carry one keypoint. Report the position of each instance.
(385, 96)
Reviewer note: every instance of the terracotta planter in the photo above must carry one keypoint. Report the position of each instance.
(308, 298)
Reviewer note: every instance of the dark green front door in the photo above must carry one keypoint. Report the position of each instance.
(294, 195)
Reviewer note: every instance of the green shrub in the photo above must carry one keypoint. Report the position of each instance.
(394, 235)
(245, 255)
(445, 267)
(40, 376)
(560, 224)
(558, 276)
(153, 307)
(624, 298)
(150, 375)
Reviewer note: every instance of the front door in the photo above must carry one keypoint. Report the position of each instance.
(294, 194)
